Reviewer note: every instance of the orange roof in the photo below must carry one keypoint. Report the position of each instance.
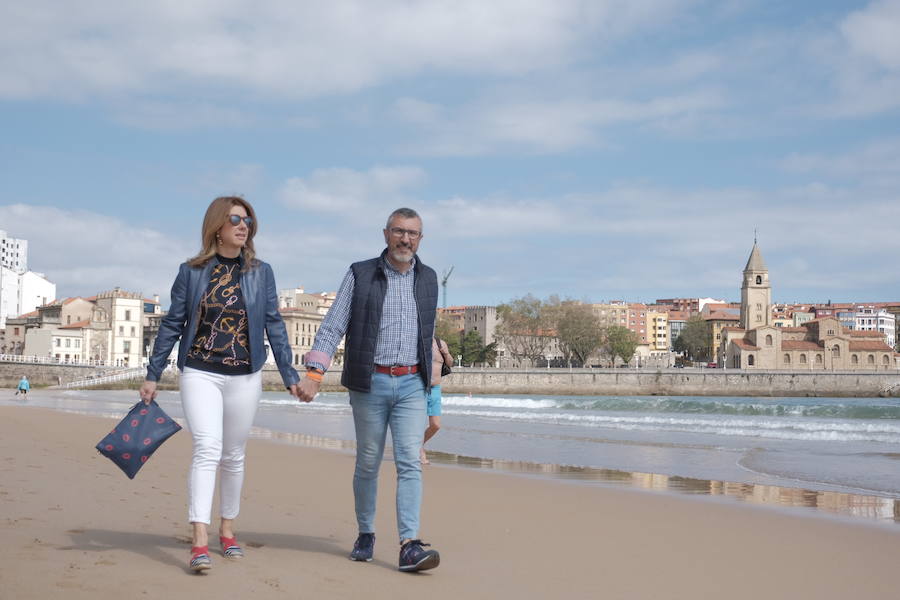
(33, 313)
(77, 325)
(870, 345)
(799, 345)
(858, 333)
(744, 344)
(722, 316)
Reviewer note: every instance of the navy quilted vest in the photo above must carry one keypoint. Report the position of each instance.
(369, 287)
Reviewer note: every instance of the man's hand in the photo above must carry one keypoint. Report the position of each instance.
(293, 390)
(148, 391)
(307, 389)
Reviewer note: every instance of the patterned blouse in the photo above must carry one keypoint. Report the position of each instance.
(221, 343)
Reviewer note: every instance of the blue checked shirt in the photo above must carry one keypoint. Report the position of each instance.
(398, 334)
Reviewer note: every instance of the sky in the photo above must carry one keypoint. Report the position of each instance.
(596, 150)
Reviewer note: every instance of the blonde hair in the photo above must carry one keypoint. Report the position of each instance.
(216, 217)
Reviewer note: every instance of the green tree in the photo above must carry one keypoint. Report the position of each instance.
(472, 348)
(578, 330)
(695, 339)
(621, 342)
(524, 328)
(446, 330)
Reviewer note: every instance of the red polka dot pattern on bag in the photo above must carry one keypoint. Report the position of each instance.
(144, 458)
(126, 437)
(126, 455)
(144, 411)
(147, 441)
(160, 420)
(134, 422)
(109, 447)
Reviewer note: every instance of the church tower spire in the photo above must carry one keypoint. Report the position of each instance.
(756, 292)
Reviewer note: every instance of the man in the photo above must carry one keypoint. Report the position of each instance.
(386, 307)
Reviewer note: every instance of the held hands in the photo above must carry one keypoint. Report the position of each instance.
(148, 391)
(307, 389)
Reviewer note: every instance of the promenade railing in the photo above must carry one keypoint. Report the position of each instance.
(52, 360)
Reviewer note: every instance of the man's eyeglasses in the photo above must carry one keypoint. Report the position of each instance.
(235, 220)
(412, 233)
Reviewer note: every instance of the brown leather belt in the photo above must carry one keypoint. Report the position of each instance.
(397, 370)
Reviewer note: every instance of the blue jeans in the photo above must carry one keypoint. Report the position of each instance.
(398, 402)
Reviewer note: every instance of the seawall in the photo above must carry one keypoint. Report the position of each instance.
(576, 382)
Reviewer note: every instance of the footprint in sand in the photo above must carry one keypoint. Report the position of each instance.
(255, 544)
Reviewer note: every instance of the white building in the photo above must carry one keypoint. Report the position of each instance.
(13, 253)
(23, 292)
(868, 318)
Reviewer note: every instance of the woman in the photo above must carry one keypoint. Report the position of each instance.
(440, 354)
(23, 388)
(222, 301)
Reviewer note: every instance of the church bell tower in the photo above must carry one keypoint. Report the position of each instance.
(756, 292)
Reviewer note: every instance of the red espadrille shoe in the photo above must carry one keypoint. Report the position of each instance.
(230, 548)
(200, 559)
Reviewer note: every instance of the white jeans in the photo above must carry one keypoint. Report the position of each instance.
(219, 410)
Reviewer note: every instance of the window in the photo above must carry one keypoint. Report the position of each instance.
(759, 280)
(126, 347)
(58, 342)
(78, 343)
(758, 317)
(836, 351)
(132, 331)
(750, 360)
(885, 360)
(768, 340)
(68, 319)
(15, 331)
(818, 359)
(758, 306)
(871, 359)
(854, 359)
(121, 330)
(802, 359)
(127, 315)
(787, 359)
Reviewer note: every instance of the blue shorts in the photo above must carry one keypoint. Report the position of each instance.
(434, 402)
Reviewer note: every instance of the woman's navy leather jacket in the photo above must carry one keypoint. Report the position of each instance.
(261, 300)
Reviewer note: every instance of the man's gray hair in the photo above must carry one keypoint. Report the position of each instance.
(406, 213)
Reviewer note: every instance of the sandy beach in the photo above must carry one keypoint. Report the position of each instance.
(74, 526)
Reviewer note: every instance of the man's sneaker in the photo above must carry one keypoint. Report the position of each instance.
(363, 547)
(413, 557)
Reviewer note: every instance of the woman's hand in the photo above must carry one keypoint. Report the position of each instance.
(307, 389)
(148, 391)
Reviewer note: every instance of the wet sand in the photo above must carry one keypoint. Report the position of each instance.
(74, 526)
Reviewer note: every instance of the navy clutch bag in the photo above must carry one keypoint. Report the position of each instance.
(131, 443)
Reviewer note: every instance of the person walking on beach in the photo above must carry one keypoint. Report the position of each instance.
(223, 301)
(440, 356)
(23, 388)
(386, 307)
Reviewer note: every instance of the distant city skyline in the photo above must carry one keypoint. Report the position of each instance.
(596, 150)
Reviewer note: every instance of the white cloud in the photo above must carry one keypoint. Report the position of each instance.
(294, 50)
(346, 191)
(877, 163)
(538, 126)
(84, 252)
(874, 32)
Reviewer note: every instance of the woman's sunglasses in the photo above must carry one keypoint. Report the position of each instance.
(235, 220)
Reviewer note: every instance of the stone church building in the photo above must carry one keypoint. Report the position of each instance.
(818, 344)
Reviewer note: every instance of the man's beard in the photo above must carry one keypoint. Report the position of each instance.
(402, 254)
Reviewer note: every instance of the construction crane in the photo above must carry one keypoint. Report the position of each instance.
(444, 277)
